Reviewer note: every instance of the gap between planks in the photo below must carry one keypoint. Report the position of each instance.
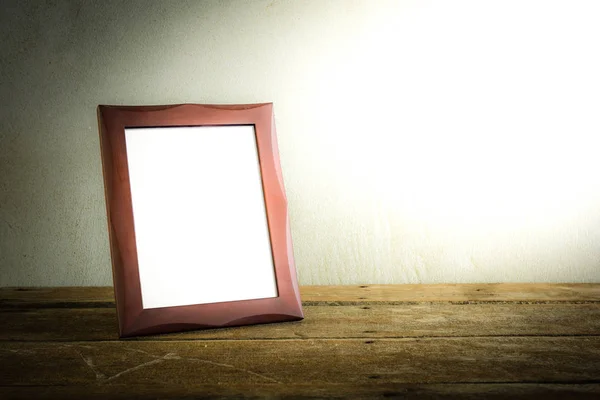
(331, 295)
(354, 391)
(24, 306)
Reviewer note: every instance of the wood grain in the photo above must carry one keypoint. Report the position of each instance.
(312, 361)
(377, 321)
(359, 294)
(518, 341)
(501, 292)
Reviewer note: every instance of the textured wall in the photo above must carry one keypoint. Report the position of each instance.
(421, 141)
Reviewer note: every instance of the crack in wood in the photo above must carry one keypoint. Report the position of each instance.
(140, 366)
(174, 356)
(90, 363)
(234, 368)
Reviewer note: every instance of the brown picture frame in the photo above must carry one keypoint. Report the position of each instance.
(133, 318)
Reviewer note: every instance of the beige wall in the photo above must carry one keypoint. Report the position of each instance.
(421, 141)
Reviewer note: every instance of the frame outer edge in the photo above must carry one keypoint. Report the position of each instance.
(288, 232)
(106, 158)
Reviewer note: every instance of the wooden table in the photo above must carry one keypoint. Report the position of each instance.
(411, 341)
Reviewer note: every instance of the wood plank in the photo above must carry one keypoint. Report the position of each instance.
(377, 321)
(303, 362)
(502, 292)
(519, 391)
(78, 296)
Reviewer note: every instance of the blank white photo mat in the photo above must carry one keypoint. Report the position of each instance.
(199, 215)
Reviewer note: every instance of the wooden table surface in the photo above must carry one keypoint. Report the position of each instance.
(406, 341)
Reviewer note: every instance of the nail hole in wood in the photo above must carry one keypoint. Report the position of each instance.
(369, 342)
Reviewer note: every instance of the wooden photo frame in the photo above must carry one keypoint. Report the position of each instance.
(197, 217)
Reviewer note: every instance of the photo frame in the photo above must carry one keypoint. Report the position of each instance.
(197, 217)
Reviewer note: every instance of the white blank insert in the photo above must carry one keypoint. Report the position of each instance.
(199, 215)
